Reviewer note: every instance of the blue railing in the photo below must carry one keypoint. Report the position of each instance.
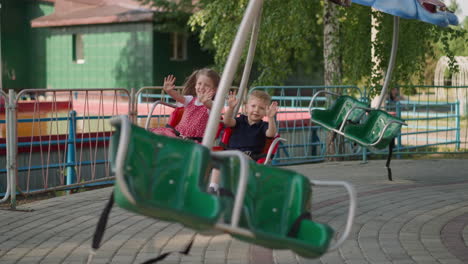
(433, 127)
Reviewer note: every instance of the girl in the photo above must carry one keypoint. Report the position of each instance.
(199, 89)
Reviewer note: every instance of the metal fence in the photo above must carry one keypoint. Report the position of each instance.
(437, 119)
(57, 139)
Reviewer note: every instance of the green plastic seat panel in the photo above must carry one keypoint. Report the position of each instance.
(333, 117)
(164, 176)
(274, 199)
(312, 241)
(368, 132)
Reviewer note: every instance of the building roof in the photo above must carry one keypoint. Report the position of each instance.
(86, 12)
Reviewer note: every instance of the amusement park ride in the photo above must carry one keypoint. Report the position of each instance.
(166, 178)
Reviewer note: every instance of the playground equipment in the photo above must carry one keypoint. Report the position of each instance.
(374, 128)
(346, 118)
(370, 128)
(166, 178)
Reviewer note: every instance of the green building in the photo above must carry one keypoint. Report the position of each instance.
(90, 44)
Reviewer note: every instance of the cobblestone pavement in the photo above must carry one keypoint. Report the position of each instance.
(420, 217)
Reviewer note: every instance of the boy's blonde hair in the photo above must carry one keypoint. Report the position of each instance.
(261, 95)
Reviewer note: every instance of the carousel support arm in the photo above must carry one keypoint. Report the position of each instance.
(391, 64)
(251, 13)
(248, 62)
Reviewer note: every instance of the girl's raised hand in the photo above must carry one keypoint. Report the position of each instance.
(205, 95)
(169, 83)
(232, 100)
(272, 110)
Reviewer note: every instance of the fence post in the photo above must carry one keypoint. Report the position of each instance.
(12, 146)
(140, 98)
(71, 174)
(364, 155)
(457, 122)
(398, 114)
(133, 113)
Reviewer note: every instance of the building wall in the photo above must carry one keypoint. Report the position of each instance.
(37, 45)
(19, 44)
(128, 55)
(163, 65)
(13, 42)
(116, 56)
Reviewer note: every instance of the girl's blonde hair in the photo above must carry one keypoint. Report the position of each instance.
(191, 81)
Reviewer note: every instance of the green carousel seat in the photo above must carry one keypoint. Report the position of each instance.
(376, 131)
(333, 117)
(275, 210)
(347, 117)
(162, 178)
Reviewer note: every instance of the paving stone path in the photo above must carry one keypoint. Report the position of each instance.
(420, 217)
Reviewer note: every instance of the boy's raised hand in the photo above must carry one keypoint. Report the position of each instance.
(169, 83)
(272, 110)
(232, 100)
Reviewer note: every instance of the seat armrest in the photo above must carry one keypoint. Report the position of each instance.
(153, 106)
(272, 149)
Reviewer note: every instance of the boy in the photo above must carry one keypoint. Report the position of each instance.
(249, 132)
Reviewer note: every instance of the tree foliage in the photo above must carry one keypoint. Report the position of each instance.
(291, 36)
(289, 32)
(171, 16)
(416, 44)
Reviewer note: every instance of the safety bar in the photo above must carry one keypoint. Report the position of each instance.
(349, 113)
(121, 155)
(351, 210)
(153, 106)
(242, 185)
(315, 96)
(272, 147)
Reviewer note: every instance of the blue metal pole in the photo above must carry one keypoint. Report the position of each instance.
(364, 150)
(364, 155)
(457, 122)
(398, 114)
(71, 174)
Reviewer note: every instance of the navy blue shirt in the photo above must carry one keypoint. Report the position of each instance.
(247, 137)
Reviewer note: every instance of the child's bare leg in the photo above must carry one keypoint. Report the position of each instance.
(214, 181)
(213, 187)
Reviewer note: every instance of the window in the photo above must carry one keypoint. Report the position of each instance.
(78, 54)
(178, 46)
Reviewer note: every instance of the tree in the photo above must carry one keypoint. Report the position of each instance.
(289, 30)
(416, 44)
(332, 65)
(331, 40)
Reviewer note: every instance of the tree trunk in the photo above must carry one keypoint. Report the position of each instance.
(332, 66)
(375, 59)
(331, 29)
